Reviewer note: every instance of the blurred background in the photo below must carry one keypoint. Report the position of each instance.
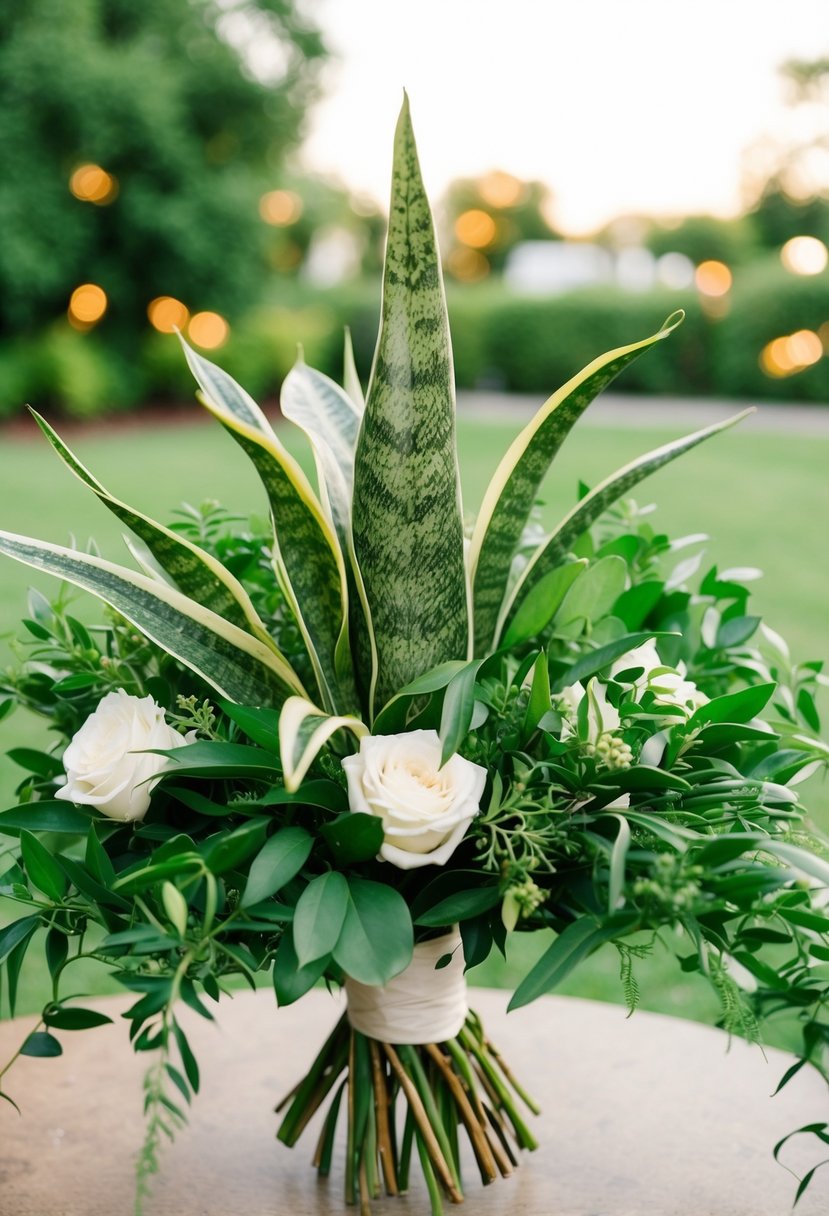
(221, 166)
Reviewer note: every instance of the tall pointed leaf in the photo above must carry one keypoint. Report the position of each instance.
(513, 489)
(321, 409)
(196, 573)
(351, 380)
(407, 522)
(550, 554)
(237, 665)
(312, 566)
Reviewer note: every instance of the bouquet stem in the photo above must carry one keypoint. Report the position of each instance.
(432, 1091)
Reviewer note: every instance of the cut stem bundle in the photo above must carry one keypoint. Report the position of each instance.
(401, 1097)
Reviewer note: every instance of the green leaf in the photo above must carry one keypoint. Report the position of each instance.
(220, 761)
(351, 379)
(458, 707)
(377, 939)
(319, 916)
(45, 817)
(539, 700)
(42, 868)
(12, 935)
(57, 951)
(226, 850)
(514, 487)
(596, 660)
(407, 518)
(260, 725)
(188, 1060)
(460, 906)
(734, 706)
(552, 552)
(279, 860)
(236, 664)
(37, 762)
(633, 606)
(392, 718)
(595, 593)
(572, 945)
(97, 860)
(322, 793)
(291, 981)
(307, 552)
(541, 604)
(41, 1044)
(197, 574)
(736, 630)
(70, 1018)
(353, 838)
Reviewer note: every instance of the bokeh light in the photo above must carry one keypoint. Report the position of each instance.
(92, 184)
(280, 207)
(87, 305)
(804, 255)
(167, 314)
(499, 189)
(475, 228)
(791, 353)
(713, 278)
(467, 265)
(208, 330)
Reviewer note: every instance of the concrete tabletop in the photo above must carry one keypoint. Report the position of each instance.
(642, 1117)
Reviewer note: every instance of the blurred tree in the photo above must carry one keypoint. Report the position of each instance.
(786, 179)
(136, 141)
(485, 217)
(704, 237)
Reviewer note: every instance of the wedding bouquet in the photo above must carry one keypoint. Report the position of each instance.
(367, 746)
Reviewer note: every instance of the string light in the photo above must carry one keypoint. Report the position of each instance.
(280, 208)
(167, 314)
(92, 184)
(87, 305)
(208, 330)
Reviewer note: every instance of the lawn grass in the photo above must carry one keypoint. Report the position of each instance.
(760, 496)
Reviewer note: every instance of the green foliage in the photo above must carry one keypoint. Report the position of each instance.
(160, 96)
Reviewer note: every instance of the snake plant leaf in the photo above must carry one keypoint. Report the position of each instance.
(351, 380)
(552, 551)
(407, 519)
(307, 556)
(304, 729)
(331, 421)
(513, 489)
(237, 665)
(197, 574)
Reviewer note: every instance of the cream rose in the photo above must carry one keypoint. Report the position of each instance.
(426, 809)
(106, 763)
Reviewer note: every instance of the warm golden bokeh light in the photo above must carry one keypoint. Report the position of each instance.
(792, 353)
(713, 278)
(167, 314)
(500, 189)
(467, 265)
(804, 255)
(280, 207)
(92, 184)
(87, 305)
(208, 330)
(805, 347)
(475, 228)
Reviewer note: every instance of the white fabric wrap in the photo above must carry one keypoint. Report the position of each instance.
(421, 1005)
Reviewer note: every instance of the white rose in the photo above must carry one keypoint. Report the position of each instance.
(426, 810)
(602, 717)
(106, 763)
(668, 684)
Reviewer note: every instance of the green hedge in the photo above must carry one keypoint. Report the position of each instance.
(500, 340)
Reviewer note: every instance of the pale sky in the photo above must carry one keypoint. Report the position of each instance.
(619, 105)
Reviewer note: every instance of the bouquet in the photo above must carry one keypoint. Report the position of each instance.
(367, 744)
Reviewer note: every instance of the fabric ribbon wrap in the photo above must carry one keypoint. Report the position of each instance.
(421, 1005)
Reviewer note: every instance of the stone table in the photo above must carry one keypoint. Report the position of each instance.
(642, 1117)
